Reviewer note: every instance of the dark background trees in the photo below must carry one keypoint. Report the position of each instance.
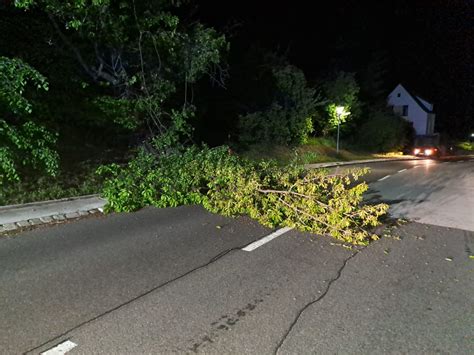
(426, 45)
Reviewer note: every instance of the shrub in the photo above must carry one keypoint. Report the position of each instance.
(223, 183)
(384, 131)
(469, 146)
(289, 117)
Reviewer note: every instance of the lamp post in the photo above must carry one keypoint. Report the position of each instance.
(339, 112)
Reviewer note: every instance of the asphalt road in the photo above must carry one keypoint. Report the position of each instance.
(178, 281)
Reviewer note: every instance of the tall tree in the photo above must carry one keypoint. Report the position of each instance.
(140, 54)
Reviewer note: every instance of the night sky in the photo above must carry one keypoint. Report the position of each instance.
(426, 45)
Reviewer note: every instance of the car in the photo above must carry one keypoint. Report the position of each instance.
(429, 151)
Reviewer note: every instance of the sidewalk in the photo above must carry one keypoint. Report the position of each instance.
(18, 216)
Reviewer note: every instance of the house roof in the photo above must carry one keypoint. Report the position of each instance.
(418, 101)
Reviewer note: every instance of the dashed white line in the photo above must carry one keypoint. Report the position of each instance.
(61, 349)
(401, 171)
(266, 239)
(385, 177)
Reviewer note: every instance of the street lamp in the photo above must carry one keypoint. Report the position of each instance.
(339, 112)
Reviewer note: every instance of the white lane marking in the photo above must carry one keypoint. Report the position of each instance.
(385, 177)
(61, 349)
(416, 166)
(401, 171)
(266, 239)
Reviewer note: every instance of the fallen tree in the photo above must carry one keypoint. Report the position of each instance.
(313, 201)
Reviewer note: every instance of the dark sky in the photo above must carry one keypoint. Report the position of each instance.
(427, 44)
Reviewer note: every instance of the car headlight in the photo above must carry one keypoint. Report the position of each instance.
(428, 151)
(416, 151)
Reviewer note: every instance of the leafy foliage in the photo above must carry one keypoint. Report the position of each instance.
(120, 111)
(384, 131)
(15, 75)
(26, 145)
(289, 117)
(22, 144)
(224, 183)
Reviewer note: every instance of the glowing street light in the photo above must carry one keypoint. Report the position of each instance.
(339, 111)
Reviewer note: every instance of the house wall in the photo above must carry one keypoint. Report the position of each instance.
(416, 114)
(430, 123)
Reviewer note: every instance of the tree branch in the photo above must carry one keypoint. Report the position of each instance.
(74, 49)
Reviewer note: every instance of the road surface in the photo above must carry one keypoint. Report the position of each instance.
(177, 280)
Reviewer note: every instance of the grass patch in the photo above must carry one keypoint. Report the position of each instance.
(43, 188)
(77, 177)
(317, 150)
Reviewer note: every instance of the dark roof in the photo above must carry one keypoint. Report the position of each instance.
(417, 100)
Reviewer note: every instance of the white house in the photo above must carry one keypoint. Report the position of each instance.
(414, 109)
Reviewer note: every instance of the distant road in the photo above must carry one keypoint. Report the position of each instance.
(438, 192)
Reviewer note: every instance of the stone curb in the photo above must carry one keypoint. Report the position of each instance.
(47, 212)
(10, 227)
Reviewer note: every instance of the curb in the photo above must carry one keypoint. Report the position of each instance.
(355, 162)
(16, 217)
(47, 202)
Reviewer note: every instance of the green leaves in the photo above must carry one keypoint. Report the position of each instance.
(27, 144)
(121, 111)
(15, 75)
(226, 184)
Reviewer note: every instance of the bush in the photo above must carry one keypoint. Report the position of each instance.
(384, 131)
(289, 117)
(223, 183)
(469, 146)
